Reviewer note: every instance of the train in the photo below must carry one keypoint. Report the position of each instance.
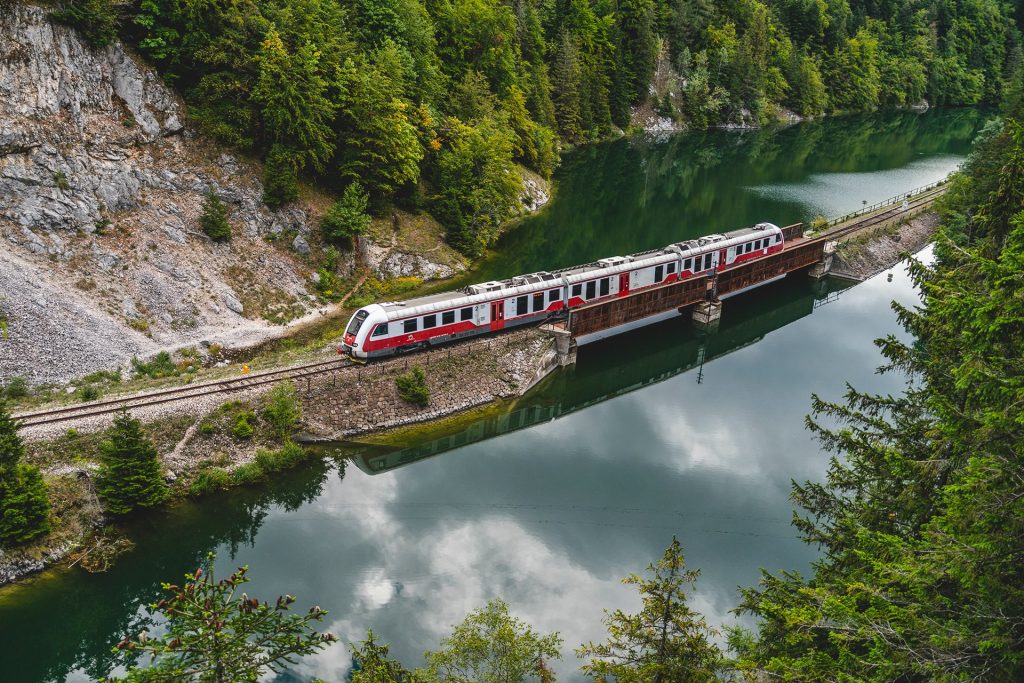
(389, 328)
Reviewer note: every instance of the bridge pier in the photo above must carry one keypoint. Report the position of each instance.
(822, 268)
(707, 314)
(565, 348)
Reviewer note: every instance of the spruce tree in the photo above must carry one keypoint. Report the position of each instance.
(214, 219)
(347, 217)
(666, 641)
(129, 476)
(24, 506)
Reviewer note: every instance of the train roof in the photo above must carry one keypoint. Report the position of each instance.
(543, 280)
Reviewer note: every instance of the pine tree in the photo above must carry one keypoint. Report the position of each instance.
(214, 219)
(24, 506)
(347, 217)
(666, 642)
(129, 476)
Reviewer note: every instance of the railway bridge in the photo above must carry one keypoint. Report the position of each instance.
(703, 296)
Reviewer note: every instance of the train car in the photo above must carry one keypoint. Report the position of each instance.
(385, 329)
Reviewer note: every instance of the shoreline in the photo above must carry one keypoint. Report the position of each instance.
(362, 401)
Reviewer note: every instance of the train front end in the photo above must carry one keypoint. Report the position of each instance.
(359, 328)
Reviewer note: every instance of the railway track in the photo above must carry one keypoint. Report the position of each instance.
(226, 386)
(182, 393)
(916, 202)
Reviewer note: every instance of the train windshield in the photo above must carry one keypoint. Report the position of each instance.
(357, 322)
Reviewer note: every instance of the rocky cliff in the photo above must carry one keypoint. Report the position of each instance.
(101, 185)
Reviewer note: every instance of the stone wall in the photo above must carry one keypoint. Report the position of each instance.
(365, 399)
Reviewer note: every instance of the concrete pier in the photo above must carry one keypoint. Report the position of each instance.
(707, 314)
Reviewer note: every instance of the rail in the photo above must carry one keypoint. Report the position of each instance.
(890, 201)
(917, 198)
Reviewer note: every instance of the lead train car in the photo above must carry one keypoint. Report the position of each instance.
(385, 329)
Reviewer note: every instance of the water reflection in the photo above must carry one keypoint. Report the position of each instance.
(654, 356)
(645, 192)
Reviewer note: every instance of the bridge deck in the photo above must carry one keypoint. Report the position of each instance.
(800, 252)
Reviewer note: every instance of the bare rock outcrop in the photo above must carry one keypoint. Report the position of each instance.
(101, 187)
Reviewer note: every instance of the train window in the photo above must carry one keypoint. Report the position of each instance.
(409, 326)
(757, 245)
(357, 322)
(671, 267)
(522, 304)
(688, 264)
(429, 321)
(466, 313)
(380, 330)
(659, 273)
(605, 285)
(554, 295)
(538, 302)
(448, 317)
(591, 289)
(707, 261)
(577, 290)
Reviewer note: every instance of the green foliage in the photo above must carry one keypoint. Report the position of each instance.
(666, 640)
(282, 410)
(492, 646)
(88, 393)
(214, 218)
(280, 177)
(293, 93)
(347, 217)
(480, 183)
(215, 634)
(920, 518)
(287, 456)
(15, 387)
(412, 99)
(129, 476)
(97, 20)
(24, 505)
(209, 481)
(372, 664)
(246, 474)
(241, 426)
(160, 366)
(412, 387)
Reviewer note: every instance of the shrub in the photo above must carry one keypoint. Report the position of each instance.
(96, 20)
(214, 219)
(347, 217)
(412, 387)
(280, 177)
(242, 427)
(208, 481)
(62, 181)
(88, 393)
(287, 456)
(819, 223)
(207, 428)
(249, 473)
(160, 366)
(282, 410)
(16, 387)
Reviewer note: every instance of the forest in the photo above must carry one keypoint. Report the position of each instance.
(434, 105)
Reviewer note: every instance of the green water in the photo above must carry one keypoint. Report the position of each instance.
(550, 502)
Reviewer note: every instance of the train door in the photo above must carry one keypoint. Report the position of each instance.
(623, 284)
(497, 315)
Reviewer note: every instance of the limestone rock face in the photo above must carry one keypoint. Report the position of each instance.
(101, 186)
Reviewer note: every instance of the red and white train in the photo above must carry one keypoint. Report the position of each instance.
(385, 329)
